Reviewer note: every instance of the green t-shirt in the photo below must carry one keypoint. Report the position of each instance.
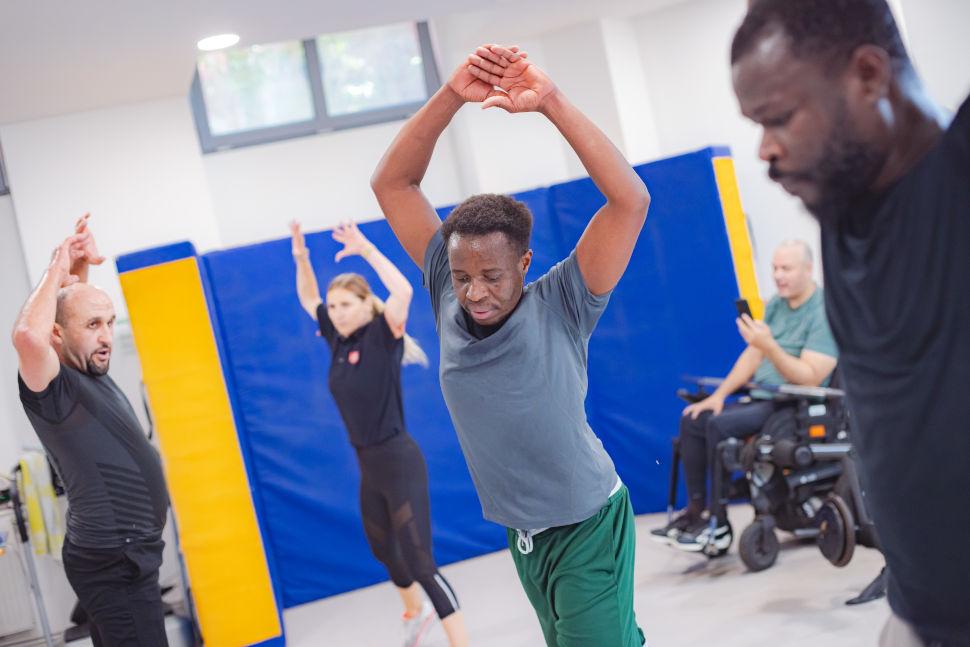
(804, 328)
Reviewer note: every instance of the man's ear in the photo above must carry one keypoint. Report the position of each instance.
(57, 336)
(526, 261)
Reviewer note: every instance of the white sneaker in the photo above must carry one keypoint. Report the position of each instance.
(416, 628)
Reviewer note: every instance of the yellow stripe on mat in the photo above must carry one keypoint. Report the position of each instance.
(742, 252)
(219, 533)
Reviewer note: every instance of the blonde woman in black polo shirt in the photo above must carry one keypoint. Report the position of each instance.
(368, 345)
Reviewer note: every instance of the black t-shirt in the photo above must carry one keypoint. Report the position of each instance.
(897, 282)
(113, 476)
(365, 379)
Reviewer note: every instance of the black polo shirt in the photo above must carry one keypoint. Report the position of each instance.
(897, 285)
(112, 475)
(365, 379)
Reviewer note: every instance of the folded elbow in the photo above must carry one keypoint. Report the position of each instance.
(24, 339)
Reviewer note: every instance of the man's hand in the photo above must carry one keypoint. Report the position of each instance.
(523, 86)
(89, 249)
(469, 86)
(65, 257)
(757, 334)
(712, 403)
(354, 242)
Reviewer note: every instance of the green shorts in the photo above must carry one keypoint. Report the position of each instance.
(579, 578)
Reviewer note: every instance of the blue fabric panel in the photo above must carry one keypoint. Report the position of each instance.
(154, 256)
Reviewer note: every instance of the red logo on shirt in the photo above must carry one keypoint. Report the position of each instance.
(353, 356)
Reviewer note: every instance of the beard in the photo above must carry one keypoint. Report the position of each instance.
(95, 369)
(845, 172)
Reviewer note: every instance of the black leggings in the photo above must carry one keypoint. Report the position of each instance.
(397, 517)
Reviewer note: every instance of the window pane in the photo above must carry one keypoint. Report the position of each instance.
(371, 68)
(255, 87)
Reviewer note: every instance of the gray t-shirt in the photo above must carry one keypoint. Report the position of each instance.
(516, 398)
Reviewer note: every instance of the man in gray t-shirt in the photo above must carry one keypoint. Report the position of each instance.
(792, 345)
(514, 356)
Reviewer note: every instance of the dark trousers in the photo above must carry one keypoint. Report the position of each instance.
(118, 589)
(699, 439)
(396, 512)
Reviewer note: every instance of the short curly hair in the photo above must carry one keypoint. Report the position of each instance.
(824, 30)
(488, 213)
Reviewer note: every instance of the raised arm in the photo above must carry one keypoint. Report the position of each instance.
(397, 180)
(306, 281)
(605, 247)
(38, 362)
(399, 299)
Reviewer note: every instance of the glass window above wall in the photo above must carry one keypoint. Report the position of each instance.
(265, 93)
(255, 87)
(372, 68)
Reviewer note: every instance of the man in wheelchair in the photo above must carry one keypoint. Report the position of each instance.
(793, 345)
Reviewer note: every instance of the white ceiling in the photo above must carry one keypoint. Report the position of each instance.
(60, 56)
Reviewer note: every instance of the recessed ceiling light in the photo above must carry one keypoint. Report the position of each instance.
(221, 41)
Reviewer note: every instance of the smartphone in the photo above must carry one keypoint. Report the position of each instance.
(743, 307)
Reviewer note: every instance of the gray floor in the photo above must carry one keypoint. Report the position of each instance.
(681, 599)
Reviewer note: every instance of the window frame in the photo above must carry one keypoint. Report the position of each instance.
(4, 187)
(321, 122)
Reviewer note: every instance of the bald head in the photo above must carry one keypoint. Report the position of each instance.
(799, 247)
(77, 299)
(84, 330)
(791, 267)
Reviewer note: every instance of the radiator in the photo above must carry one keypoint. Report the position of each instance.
(16, 599)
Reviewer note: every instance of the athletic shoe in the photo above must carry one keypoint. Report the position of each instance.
(672, 530)
(416, 627)
(696, 538)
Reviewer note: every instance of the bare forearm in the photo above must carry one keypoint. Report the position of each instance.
(407, 159)
(80, 270)
(390, 276)
(607, 167)
(741, 373)
(794, 369)
(306, 284)
(36, 319)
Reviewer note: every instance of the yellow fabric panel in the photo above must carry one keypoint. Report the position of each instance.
(219, 534)
(737, 230)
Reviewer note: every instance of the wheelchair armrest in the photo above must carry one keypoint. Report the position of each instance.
(692, 397)
(789, 392)
(703, 382)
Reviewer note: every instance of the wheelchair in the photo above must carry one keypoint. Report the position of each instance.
(799, 472)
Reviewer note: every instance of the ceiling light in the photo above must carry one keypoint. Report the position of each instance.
(221, 41)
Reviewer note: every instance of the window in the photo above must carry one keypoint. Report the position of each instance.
(266, 93)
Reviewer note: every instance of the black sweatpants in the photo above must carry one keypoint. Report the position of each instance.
(118, 589)
(396, 512)
(699, 439)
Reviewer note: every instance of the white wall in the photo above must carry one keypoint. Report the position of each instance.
(135, 168)
(15, 430)
(937, 38)
(320, 181)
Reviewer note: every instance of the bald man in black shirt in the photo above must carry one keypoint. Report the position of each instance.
(113, 477)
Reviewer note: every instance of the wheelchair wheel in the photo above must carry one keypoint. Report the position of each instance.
(836, 538)
(758, 546)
